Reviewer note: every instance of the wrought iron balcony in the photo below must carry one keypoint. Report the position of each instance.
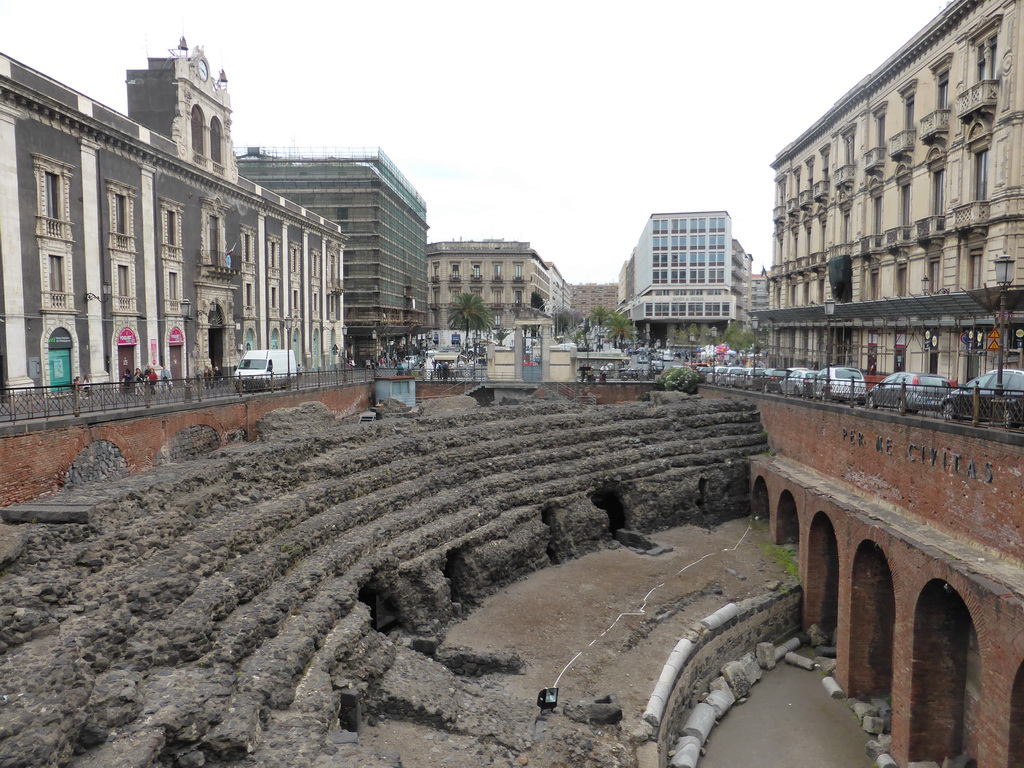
(931, 228)
(934, 126)
(821, 190)
(874, 160)
(898, 237)
(902, 143)
(979, 99)
(844, 175)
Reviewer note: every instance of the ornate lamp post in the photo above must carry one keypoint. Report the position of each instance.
(186, 315)
(1004, 278)
(288, 347)
(754, 323)
(830, 310)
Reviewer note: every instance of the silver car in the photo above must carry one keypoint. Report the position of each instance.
(841, 383)
(799, 382)
(921, 391)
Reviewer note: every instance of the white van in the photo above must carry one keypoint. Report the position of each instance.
(264, 362)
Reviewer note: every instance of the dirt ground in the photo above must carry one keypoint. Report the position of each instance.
(602, 624)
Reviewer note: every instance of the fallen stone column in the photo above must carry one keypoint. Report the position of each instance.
(799, 661)
(669, 673)
(793, 644)
(721, 616)
(833, 688)
(687, 753)
(701, 721)
(722, 700)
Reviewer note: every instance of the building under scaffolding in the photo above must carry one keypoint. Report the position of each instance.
(385, 221)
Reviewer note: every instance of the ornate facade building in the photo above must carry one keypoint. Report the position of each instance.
(503, 273)
(895, 206)
(130, 242)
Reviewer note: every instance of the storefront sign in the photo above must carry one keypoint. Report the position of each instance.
(60, 339)
(127, 338)
(176, 337)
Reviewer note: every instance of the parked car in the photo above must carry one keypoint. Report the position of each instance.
(799, 382)
(959, 403)
(841, 383)
(773, 378)
(924, 391)
(737, 376)
(718, 375)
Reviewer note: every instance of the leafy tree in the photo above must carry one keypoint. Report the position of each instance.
(536, 300)
(620, 328)
(500, 334)
(738, 337)
(469, 312)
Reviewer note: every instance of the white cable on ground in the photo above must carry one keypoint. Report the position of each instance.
(641, 611)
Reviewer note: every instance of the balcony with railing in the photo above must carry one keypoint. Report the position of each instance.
(497, 278)
(874, 160)
(172, 307)
(934, 126)
(844, 175)
(793, 206)
(435, 278)
(455, 277)
(779, 212)
(898, 237)
(806, 198)
(476, 278)
(199, 159)
(335, 285)
(971, 216)
(931, 228)
(518, 279)
(216, 265)
(123, 305)
(58, 300)
(56, 229)
(172, 252)
(821, 190)
(870, 244)
(122, 242)
(902, 144)
(980, 99)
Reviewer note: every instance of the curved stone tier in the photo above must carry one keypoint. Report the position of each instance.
(250, 607)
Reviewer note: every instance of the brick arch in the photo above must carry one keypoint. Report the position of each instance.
(192, 442)
(945, 677)
(872, 622)
(99, 460)
(787, 520)
(821, 593)
(759, 504)
(1016, 729)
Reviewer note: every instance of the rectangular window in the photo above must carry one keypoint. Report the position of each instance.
(248, 296)
(849, 147)
(497, 270)
(213, 234)
(121, 214)
(437, 268)
(56, 274)
(495, 297)
(295, 302)
(517, 296)
(981, 175)
(987, 60)
(273, 297)
(52, 201)
(123, 289)
(880, 129)
(908, 112)
(172, 286)
(901, 280)
(905, 205)
(873, 284)
(934, 275)
(455, 267)
(975, 279)
(938, 192)
(517, 271)
(476, 270)
(846, 226)
(171, 230)
(876, 215)
(942, 91)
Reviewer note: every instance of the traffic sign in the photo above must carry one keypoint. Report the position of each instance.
(994, 334)
(993, 346)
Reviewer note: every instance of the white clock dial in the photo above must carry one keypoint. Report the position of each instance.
(204, 70)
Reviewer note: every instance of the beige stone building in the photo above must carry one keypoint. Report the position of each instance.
(897, 203)
(503, 273)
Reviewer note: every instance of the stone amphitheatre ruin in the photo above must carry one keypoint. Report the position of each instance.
(260, 605)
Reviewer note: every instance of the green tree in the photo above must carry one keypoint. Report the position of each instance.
(500, 334)
(620, 329)
(738, 337)
(469, 312)
(678, 380)
(599, 317)
(537, 301)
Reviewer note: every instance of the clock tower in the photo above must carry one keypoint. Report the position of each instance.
(179, 96)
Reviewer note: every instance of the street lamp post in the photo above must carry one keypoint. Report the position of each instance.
(693, 341)
(288, 348)
(754, 323)
(830, 310)
(1004, 277)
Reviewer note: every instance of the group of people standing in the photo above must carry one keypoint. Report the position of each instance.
(140, 378)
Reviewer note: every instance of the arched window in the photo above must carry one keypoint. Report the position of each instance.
(215, 141)
(198, 127)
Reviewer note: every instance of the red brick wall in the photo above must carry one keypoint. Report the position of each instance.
(967, 481)
(35, 463)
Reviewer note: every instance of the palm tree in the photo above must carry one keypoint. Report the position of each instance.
(500, 334)
(620, 328)
(468, 311)
(599, 317)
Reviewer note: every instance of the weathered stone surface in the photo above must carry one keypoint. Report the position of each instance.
(213, 612)
(818, 636)
(46, 512)
(800, 661)
(602, 711)
(12, 543)
(765, 655)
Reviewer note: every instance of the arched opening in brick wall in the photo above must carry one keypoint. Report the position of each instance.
(872, 623)
(1017, 719)
(821, 591)
(383, 613)
(100, 460)
(787, 522)
(192, 442)
(759, 499)
(945, 678)
(610, 502)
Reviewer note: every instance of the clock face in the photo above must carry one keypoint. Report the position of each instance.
(204, 70)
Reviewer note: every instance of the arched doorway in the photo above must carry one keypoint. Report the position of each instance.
(315, 352)
(609, 501)
(787, 523)
(175, 345)
(127, 342)
(872, 622)
(945, 689)
(275, 339)
(215, 336)
(759, 499)
(250, 339)
(58, 353)
(821, 604)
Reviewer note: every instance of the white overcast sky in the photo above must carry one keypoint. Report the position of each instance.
(565, 124)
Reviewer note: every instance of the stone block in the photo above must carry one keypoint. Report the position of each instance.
(686, 753)
(765, 655)
(799, 661)
(872, 724)
(700, 722)
(885, 760)
(12, 542)
(42, 512)
(735, 674)
(833, 688)
(721, 700)
(817, 635)
(862, 709)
